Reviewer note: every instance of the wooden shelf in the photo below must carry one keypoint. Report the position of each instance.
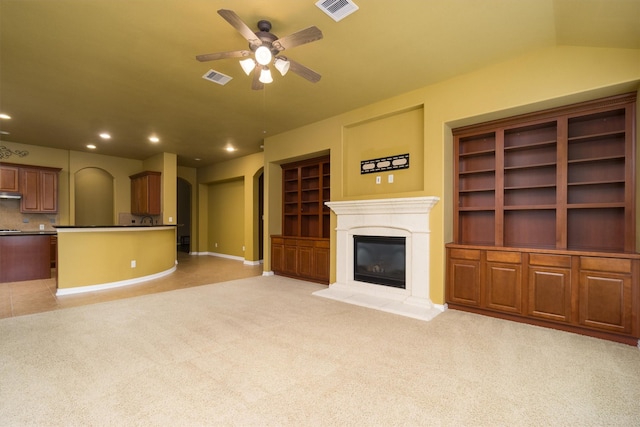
(538, 200)
(576, 157)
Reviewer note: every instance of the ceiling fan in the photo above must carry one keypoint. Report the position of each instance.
(266, 48)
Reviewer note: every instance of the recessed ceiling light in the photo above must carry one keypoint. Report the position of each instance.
(91, 146)
(105, 135)
(4, 116)
(197, 159)
(154, 139)
(4, 132)
(230, 149)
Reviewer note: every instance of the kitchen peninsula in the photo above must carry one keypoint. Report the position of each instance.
(93, 258)
(25, 255)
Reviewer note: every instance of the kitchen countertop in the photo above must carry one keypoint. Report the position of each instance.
(27, 233)
(117, 226)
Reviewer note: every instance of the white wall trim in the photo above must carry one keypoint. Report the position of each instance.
(111, 285)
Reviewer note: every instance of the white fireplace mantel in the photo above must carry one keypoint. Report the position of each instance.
(402, 217)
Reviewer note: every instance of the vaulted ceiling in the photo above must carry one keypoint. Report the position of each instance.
(70, 69)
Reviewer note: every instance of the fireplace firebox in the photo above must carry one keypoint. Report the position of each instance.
(380, 260)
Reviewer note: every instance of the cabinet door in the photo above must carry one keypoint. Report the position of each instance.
(9, 179)
(321, 261)
(550, 293)
(503, 289)
(464, 277)
(305, 261)
(605, 301)
(503, 282)
(277, 256)
(48, 191)
(290, 259)
(29, 185)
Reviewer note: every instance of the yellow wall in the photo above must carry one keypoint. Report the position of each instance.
(226, 217)
(245, 169)
(99, 256)
(542, 79)
(394, 134)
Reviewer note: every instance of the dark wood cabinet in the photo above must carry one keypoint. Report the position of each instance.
(502, 289)
(305, 258)
(9, 180)
(463, 271)
(550, 287)
(545, 219)
(303, 248)
(146, 193)
(39, 188)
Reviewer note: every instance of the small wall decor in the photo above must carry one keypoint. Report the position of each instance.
(5, 153)
(401, 161)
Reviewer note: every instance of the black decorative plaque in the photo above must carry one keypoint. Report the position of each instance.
(401, 161)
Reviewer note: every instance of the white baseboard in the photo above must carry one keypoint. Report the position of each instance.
(111, 285)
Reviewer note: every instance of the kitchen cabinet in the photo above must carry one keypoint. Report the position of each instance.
(24, 256)
(39, 188)
(9, 178)
(146, 193)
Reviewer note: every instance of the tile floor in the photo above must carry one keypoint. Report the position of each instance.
(35, 296)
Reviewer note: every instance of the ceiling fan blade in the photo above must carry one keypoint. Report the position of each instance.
(232, 18)
(307, 35)
(256, 84)
(223, 55)
(303, 71)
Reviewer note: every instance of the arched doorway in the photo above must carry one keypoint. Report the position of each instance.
(94, 195)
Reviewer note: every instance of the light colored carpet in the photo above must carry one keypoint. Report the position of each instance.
(264, 351)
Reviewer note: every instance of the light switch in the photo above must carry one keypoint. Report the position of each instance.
(378, 180)
(391, 179)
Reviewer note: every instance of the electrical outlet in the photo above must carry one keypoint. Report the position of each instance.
(216, 244)
(133, 263)
(41, 227)
(243, 249)
(170, 219)
(391, 179)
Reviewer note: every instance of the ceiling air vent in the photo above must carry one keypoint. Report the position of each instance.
(217, 77)
(337, 9)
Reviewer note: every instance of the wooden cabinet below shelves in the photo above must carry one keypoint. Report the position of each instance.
(304, 258)
(146, 193)
(585, 292)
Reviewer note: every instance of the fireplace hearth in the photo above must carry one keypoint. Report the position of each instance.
(402, 219)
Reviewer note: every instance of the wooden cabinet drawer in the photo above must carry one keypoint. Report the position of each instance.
(612, 265)
(548, 260)
(502, 256)
(465, 254)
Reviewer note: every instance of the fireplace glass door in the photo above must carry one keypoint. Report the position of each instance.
(380, 260)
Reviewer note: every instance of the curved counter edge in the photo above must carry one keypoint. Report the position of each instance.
(104, 286)
(96, 258)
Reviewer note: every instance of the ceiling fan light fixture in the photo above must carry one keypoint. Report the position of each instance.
(282, 65)
(263, 55)
(265, 75)
(248, 65)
